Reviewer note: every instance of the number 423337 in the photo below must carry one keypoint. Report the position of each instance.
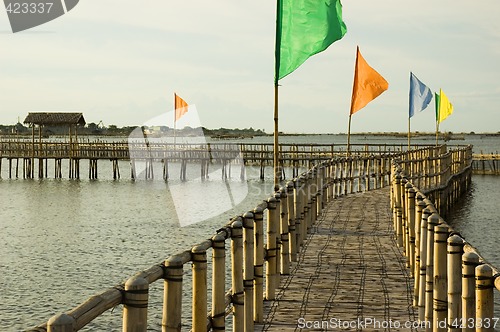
(29, 7)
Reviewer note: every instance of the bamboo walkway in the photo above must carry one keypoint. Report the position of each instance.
(349, 276)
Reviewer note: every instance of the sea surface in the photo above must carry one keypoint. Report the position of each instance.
(62, 241)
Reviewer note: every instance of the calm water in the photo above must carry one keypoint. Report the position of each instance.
(63, 241)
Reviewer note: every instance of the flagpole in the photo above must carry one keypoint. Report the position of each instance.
(438, 105)
(175, 113)
(276, 139)
(277, 63)
(409, 133)
(349, 136)
(437, 133)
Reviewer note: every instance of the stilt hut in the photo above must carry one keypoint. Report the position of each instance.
(53, 119)
(41, 119)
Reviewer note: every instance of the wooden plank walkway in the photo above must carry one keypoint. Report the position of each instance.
(350, 272)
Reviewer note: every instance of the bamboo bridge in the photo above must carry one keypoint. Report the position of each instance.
(29, 159)
(352, 242)
(35, 156)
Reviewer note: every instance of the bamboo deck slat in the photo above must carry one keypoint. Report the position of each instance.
(350, 268)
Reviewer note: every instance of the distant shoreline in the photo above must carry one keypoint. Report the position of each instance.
(237, 135)
(99, 130)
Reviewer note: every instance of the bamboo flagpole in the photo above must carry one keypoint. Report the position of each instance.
(437, 99)
(175, 115)
(276, 157)
(303, 28)
(277, 63)
(409, 133)
(349, 136)
(437, 133)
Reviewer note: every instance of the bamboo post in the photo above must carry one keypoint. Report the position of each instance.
(308, 204)
(172, 295)
(329, 183)
(455, 250)
(484, 298)
(351, 174)
(300, 210)
(277, 229)
(336, 179)
(360, 171)
(397, 210)
(313, 205)
(258, 291)
(305, 207)
(432, 221)
(345, 172)
(399, 227)
(378, 173)
(423, 265)
(237, 275)
(248, 269)
(199, 305)
(319, 188)
(393, 196)
(285, 245)
(367, 174)
(291, 221)
(383, 163)
(440, 289)
(404, 221)
(218, 282)
(416, 270)
(411, 226)
(135, 305)
(325, 185)
(61, 323)
(469, 262)
(272, 222)
(333, 179)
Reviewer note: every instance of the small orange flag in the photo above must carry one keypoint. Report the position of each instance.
(181, 107)
(368, 84)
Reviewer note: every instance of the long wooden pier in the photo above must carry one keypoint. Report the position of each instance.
(323, 252)
(30, 159)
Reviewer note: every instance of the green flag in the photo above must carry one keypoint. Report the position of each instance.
(304, 28)
(436, 99)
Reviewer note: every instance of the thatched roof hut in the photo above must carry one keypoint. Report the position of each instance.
(55, 119)
(42, 119)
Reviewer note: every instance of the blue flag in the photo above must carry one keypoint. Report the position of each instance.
(420, 95)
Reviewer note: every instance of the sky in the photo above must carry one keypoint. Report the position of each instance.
(120, 62)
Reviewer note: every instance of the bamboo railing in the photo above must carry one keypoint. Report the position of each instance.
(266, 238)
(193, 151)
(453, 284)
(264, 241)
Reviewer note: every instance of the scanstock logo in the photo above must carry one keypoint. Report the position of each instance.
(195, 198)
(26, 14)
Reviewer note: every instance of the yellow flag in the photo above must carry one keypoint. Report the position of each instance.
(368, 84)
(445, 107)
(181, 107)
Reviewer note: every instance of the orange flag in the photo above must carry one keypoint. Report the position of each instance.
(368, 84)
(181, 107)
